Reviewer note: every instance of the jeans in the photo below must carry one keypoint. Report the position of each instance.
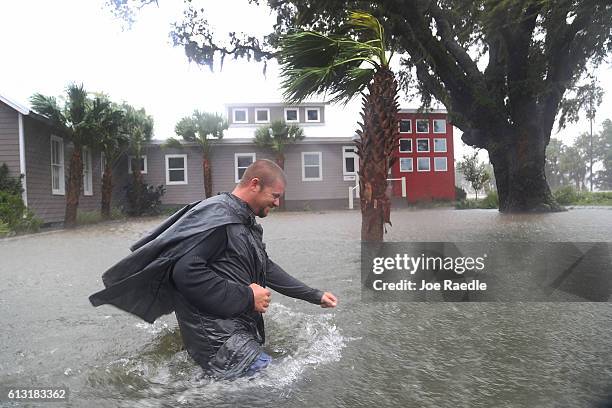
(262, 362)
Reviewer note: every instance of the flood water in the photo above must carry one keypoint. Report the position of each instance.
(359, 354)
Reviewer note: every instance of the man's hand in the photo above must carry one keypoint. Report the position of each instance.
(261, 297)
(328, 300)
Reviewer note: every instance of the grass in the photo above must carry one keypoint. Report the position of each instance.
(93, 217)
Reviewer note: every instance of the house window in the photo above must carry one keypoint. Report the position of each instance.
(405, 145)
(439, 125)
(312, 115)
(240, 116)
(440, 145)
(58, 184)
(134, 163)
(311, 166)
(350, 162)
(241, 162)
(176, 169)
(405, 164)
(423, 164)
(262, 115)
(422, 145)
(440, 164)
(405, 126)
(87, 172)
(422, 125)
(292, 115)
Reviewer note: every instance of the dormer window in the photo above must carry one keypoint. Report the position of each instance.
(313, 115)
(292, 115)
(262, 115)
(240, 116)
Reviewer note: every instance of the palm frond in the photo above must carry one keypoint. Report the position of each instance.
(77, 103)
(173, 143)
(313, 63)
(48, 107)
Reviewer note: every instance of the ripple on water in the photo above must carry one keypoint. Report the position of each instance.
(163, 371)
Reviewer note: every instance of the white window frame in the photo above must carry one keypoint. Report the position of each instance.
(297, 110)
(262, 110)
(312, 109)
(61, 190)
(236, 155)
(411, 164)
(174, 156)
(445, 164)
(350, 175)
(428, 145)
(400, 123)
(434, 125)
(246, 115)
(417, 125)
(428, 163)
(399, 147)
(144, 160)
(434, 145)
(87, 171)
(320, 166)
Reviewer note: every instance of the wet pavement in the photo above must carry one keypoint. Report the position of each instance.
(385, 354)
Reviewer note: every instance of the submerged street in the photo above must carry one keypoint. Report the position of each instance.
(359, 354)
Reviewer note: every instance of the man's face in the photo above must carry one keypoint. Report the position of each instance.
(268, 197)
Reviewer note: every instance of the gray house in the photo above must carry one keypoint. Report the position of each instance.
(320, 169)
(29, 147)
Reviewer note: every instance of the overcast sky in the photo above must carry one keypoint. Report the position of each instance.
(47, 44)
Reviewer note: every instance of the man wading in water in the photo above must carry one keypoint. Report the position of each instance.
(208, 263)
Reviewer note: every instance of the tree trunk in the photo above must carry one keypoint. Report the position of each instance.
(280, 161)
(519, 172)
(75, 181)
(379, 135)
(107, 191)
(207, 171)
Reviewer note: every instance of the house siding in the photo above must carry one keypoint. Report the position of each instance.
(9, 139)
(331, 192)
(332, 186)
(51, 208)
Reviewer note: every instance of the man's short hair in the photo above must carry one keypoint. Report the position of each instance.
(266, 171)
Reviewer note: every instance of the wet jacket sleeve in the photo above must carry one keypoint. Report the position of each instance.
(280, 281)
(204, 288)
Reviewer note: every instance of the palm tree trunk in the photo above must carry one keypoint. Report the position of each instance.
(75, 180)
(107, 191)
(207, 176)
(280, 161)
(379, 135)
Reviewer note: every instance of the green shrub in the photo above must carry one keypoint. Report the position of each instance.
(460, 194)
(143, 199)
(8, 184)
(566, 195)
(491, 200)
(14, 215)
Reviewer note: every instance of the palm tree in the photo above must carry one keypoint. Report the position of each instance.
(313, 63)
(112, 142)
(76, 122)
(201, 128)
(275, 138)
(139, 129)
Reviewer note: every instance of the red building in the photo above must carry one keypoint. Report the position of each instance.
(425, 156)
